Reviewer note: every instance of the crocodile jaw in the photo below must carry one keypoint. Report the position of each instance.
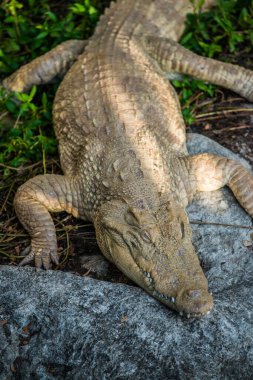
(188, 295)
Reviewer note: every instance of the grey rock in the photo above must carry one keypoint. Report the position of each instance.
(56, 325)
(95, 263)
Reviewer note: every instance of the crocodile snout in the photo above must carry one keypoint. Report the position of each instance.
(194, 302)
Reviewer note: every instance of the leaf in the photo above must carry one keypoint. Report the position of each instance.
(44, 100)
(17, 161)
(52, 16)
(186, 38)
(24, 98)
(32, 92)
(41, 35)
(10, 106)
(15, 132)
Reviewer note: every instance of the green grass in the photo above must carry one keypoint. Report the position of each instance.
(27, 30)
(224, 33)
(31, 28)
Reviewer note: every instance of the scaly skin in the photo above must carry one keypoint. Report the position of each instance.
(122, 149)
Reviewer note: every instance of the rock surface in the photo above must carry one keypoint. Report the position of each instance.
(55, 325)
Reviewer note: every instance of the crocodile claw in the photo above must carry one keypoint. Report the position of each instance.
(42, 258)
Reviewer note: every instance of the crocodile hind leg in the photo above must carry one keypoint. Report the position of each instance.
(174, 58)
(46, 67)
(208, 172)
(32, 202)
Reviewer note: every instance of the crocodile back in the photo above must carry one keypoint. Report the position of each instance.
(115, 88)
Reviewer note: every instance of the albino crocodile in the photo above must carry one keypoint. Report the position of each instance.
(123, 152)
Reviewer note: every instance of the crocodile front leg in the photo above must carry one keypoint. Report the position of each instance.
(46, 67)
(33, 201)
(172, 57)
(208, 172)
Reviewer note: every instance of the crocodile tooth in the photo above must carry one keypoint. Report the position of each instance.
(173, 299)
(188, 315)
(181, 313)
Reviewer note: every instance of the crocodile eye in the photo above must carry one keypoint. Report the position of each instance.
(182, 229)
(133, 244)
(146, 236)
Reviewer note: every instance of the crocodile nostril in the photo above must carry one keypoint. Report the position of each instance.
(194, 293)
(194, 301)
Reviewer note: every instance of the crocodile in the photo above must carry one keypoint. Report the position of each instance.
(122, 146)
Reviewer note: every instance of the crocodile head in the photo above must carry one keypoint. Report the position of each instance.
(154, 249)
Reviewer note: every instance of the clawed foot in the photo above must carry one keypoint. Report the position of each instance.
(43, 258)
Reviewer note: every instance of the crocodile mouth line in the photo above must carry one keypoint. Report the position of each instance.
(164, 297)
(150, 283)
